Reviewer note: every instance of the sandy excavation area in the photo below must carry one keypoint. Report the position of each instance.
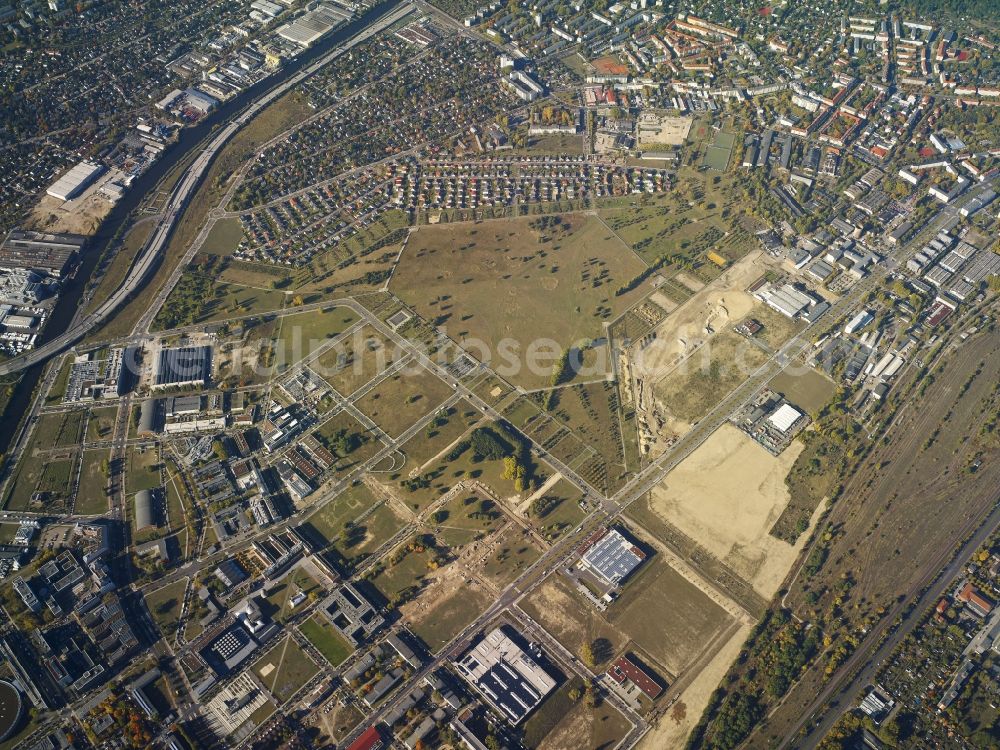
(727, 496)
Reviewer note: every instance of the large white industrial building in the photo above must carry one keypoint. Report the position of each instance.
(75, 181)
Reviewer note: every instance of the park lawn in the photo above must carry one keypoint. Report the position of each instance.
(513, 279)
(224, 237)
(465, 516)
(301, 334)
(345, 422)
(233, 299)
(378, 528)
(420, 491)
(329, 520)
(320, 633)
(164, 605)
(51, 477)
(102, 423)
(695, 386)
(92, 496)
(255, 274)
(278, 603)
(447, 427)
(176, 497)
(557, 511)
(402, 574)
(351, 363)
(143, 469)
(403, 398)
(514, 553)
(285, 669)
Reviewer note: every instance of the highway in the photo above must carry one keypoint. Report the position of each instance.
(150, 254)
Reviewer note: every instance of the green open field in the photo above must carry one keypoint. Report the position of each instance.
(347, 506)
(700, 382)
(301, 334)
(403, 573)
(247, 357)
(224, 237)
(667, 616)
(466, 516)
(320, 633)
(557, 510)
(419, 492)
(58, 389)
(345, 423)
(561, 723)
(102, 423)
(164, 605)
(58, 430)
(591, 412)
(356, 360)
(285, 669)
(277, 604)
(402, 398)
(556, 282)
(142, 469)
(804, 387)
(200, 297)
(92, 497)
(176, 497)
(374, 531)
(514, 553)
(51, 477)
(449, 425)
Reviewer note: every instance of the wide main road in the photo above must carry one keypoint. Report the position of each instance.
(150, 253)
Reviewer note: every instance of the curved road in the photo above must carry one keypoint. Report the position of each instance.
(182, 193)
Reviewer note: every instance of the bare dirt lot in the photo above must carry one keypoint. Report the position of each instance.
(726, 496)
(715, 308)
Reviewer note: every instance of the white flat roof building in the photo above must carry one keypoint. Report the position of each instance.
(507, 677)
(784, 417)
(75, 181)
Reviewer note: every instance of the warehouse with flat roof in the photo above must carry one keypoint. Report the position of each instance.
(313, 25)
(51, 253)
(507, 677)
(183, 366)
(612, 558)
(75, 181)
